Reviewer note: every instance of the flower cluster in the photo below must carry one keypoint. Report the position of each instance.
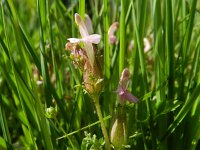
(83, 55)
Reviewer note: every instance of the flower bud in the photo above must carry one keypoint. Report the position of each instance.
(118, 134)
(51, 112)
(111, 31)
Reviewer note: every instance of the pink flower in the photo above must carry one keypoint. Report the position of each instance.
(122, 90)
(82, 53)
(87, 39)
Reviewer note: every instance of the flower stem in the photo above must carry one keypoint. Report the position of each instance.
(103, 127)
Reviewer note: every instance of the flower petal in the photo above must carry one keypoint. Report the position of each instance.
(88, 24)
(120, 91)
(129, 96)
(74, 40)
(81, 25)
(94, 38)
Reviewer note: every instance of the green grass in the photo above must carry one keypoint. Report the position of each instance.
(166, 79)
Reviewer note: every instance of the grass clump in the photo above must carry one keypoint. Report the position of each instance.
(46, 90)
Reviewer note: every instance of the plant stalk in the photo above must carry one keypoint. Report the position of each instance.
(103, 127)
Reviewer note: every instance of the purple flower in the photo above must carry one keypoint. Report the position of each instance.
(122, 90)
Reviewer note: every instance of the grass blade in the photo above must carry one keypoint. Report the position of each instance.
(122, 37)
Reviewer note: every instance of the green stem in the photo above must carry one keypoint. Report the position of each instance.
(82, 8)
(106, 44)
(103, 127)
(122, 38)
